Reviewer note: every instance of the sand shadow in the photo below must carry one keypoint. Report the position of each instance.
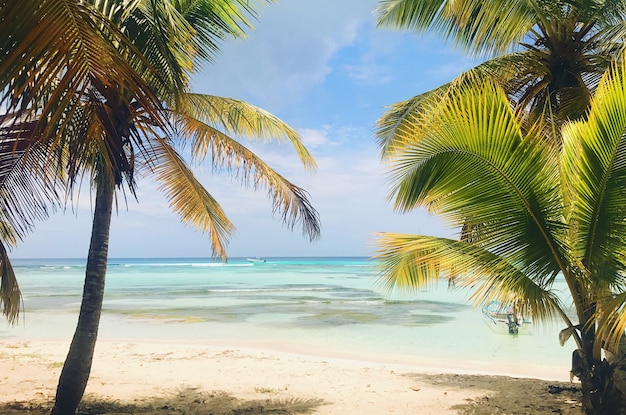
(188, 401)
(507, 395)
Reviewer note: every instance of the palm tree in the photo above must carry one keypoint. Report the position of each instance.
(545, 212)
(547, 55)
(111, 127)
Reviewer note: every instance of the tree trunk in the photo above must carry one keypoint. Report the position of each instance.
(604, 384)
(77, 366)
(616, 382)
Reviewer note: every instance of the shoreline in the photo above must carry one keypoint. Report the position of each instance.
(58, 327)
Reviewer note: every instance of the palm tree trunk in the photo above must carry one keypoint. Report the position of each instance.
(603, 381)
(616, 385)
(77, 366)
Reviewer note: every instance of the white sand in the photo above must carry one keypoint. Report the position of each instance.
(347, 383)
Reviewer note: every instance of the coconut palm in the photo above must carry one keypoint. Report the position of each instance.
(546, 212)
(111, 128)
(547, 55)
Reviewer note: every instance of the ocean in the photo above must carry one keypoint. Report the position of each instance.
(333, 305)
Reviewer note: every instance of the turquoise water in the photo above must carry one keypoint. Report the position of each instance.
(330, 303)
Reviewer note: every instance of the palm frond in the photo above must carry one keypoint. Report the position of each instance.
(401, 116)
(611, 318)
(54, 50)
(214, 21)
(594, 164)
(482, 27)
(509, 181)
(188, 197)
(406, 115)
(30, 182)
(414, 262)
(10, 295)
(240, 119)
(291, 201)
(177, 36)
(166, 40)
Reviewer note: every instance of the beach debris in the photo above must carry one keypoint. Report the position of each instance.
(555, 389)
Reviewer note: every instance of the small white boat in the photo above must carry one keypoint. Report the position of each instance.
(260, 260)
(502, 319)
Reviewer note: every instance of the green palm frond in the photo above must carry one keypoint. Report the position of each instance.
(611, 320)
(508, 185)
(482, 27)
(289, 200)
(188, 197)
(240, 119)
(555, 52)
(216, 20)
(594, 163)
(458, 130)
(30, 181)
(29, 187)
(415, 262)
(399, 126)
(400, 117)
(614, 34)
(177, 36)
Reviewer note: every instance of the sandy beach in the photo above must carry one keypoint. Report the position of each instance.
(130, 376)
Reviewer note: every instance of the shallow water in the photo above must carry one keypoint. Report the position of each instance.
(333, 303)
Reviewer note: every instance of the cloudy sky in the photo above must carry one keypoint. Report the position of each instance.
(324, 68)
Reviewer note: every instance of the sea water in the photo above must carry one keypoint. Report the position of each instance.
(332, 304)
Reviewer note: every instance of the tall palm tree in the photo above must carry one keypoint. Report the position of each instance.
(545, 211)
(128, 114)
(548, 55)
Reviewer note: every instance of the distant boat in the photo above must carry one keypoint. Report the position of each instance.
(261, 260)
(501, 319)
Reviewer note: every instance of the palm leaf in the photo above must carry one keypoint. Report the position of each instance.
(214, 21)
(240, 119)
(594, 164)
(415, 262)
(483, 27)
(10, 295)
(177, 36)
(289, 200)
(188, 197)
(508, 184)
(28, 187)
(405, 116)
(402, 116)
(611, 318)
(54, 50)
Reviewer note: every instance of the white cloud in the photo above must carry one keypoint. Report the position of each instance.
(368, 73)
(288, 53)
(314, 138)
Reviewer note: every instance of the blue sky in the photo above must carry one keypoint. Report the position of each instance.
(324, 68)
